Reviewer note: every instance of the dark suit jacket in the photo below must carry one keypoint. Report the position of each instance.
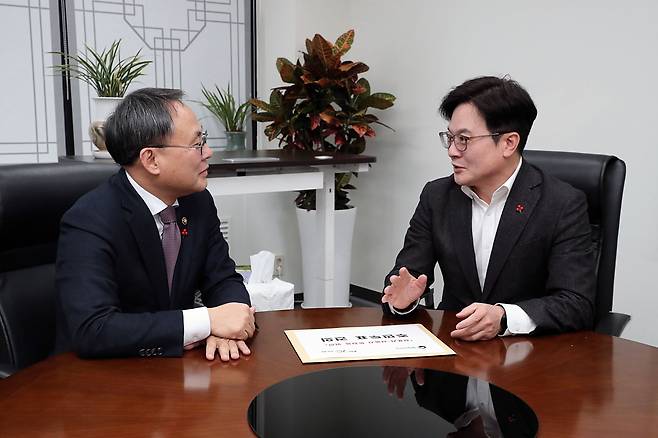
(113, 297)
(541, 260)
(445, 395)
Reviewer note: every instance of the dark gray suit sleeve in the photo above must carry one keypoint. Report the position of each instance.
(89, 300)
(417, 254)
(568, 301)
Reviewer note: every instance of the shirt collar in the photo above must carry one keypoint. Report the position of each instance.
(506, 186)
(153, 203)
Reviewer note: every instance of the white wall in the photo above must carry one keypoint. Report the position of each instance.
(590, 68)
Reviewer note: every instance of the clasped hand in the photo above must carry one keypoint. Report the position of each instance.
(230, 325)
(232, 321)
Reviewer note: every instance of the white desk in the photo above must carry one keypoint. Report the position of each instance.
(293, 171)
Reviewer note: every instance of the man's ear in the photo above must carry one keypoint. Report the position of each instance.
(510, 142)
(149, 161)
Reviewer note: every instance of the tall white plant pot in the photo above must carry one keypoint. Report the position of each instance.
(314, 295)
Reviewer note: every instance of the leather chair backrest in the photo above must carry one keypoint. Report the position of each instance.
(33, 199)
(601, 178)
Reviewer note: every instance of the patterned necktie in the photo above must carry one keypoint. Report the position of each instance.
(170, 241)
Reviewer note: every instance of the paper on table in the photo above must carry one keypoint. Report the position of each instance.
(362, 343)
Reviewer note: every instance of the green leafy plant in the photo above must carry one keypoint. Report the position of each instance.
(324, 109)
(223, 106)
(105, 72)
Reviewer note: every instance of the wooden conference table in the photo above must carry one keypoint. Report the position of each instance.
(580, 384)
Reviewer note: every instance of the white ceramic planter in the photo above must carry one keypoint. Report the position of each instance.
(310, 242)
(103, 107)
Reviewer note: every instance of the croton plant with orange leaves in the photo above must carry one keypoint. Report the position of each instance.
(324, 108)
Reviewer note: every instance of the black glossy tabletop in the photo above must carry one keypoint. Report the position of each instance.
(388, 401)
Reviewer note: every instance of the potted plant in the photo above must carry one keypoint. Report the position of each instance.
(109, 75)
(106, 72)
(223, 106)
(323, 108)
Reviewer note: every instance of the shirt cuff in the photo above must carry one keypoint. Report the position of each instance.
(406, 311)
(196, 325)
(518, 322)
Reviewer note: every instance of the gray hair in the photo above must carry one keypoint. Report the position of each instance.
(143, 118)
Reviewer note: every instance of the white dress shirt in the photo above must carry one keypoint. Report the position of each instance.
(196, 322)
(478, 393)
(484, 224)
(479, 404)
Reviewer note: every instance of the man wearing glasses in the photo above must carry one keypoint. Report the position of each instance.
(513, 244)
(133, 252)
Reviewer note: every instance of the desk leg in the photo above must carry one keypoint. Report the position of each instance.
(326, 226)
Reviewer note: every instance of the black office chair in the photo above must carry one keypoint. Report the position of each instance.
(33, 199)
(601, 177)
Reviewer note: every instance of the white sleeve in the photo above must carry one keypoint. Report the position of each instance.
(398, 312)
(196, 325)
(518, 322)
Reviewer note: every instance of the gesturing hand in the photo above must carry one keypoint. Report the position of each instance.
(232, 321)
(404, 289)
(396, 379)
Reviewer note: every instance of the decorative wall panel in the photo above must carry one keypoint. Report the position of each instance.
(28, 132)
(191, 42)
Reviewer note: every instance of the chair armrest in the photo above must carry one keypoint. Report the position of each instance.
(6, 370)
(428, 295)
(612, 324)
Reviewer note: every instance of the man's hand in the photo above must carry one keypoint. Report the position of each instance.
(479, 322)
(232, 321)
(228, 348)
(396, 379)
(404, 289)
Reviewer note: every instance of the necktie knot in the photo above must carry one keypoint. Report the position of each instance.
(168, 215)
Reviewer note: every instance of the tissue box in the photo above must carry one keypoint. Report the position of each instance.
(273, 295)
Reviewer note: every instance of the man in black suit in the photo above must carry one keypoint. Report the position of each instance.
(475, 407)
(513, 244)
(133, 252)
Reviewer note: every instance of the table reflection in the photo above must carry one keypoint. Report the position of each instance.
(475, 407)
(388, 401)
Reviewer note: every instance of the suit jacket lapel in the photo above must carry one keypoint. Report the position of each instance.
(462, 238)
(517, 211)
(141, 224)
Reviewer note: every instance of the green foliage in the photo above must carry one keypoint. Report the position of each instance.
(324, 108)
(222, 105)
(105, 72)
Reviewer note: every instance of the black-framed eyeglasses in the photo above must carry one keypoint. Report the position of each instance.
(460, 140)
(198, 146)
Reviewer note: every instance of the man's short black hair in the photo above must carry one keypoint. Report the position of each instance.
(504, 104)
(142, 118)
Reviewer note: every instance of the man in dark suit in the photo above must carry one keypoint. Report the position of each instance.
(133, 252)
(475, 407)
(513, 244)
